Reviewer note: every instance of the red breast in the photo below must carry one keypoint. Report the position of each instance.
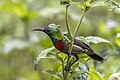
(59, 45)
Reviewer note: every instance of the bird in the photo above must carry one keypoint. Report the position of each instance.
(62, 43)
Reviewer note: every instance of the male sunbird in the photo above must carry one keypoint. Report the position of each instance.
(62, 43)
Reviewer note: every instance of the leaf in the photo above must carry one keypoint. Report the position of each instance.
(75, 73)
(74, 67)
(43, 54)
(80, 5)
(53, 74)
(97, 40)
(111, 4)
(117, 39)
(83, 4)
(58, 67)
(61, 56)
(94, 75)
(83, 58)
(106, 76)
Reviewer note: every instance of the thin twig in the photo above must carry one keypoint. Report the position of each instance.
(63, 68)
(69, 35)
(72, 38)
(66, 18)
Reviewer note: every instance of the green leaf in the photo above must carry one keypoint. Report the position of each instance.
(43, 54)
(75, 73)
(106, 76)
(83, 4)
(74, 66)
(97, 40)
(58, 67)
(61, 56)
(80, 5)
(117, 39)
(94, 75)
(53, 74)
(83, 58)
(111, 4)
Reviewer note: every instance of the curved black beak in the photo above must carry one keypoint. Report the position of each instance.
(38, 29)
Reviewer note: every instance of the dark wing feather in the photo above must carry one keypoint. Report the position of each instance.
(82, 45)
(90, 52)
(75, 49)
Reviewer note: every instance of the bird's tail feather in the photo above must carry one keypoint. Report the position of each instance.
(95, 57)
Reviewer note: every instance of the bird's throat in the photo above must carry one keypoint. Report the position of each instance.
(59, 45)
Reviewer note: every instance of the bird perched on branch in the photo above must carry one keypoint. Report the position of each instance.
(62, 43)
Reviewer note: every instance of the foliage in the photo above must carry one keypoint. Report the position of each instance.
(19, 45)
(73, 72)
(117, 40)
(43, 54)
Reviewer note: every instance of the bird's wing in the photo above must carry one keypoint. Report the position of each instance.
(82, 45)
(75, 49)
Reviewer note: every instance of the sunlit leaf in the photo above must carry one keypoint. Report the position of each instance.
(111, 4)
(97, 40)
(94, 75)
(61, 56)
(106, 76)
(74, 66)
(117, 40)
(43, 54)
(83, 58)
(58, 67)
(83, 4)
(53, 74)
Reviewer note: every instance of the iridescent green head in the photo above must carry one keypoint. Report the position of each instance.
(52, 30)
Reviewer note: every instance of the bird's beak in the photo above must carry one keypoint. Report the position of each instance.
(39, 29)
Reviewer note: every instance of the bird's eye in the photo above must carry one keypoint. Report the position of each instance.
(48, 30)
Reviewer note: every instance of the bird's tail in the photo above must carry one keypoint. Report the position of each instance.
(95, 57)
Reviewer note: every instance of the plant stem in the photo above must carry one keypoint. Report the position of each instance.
(78, 25)
(63, 68)
(66, 17)
(72, 40)
(70, 37)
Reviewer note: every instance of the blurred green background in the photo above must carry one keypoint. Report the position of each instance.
(19, 45)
